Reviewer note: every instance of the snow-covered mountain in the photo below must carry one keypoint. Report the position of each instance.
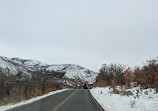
(70, 71)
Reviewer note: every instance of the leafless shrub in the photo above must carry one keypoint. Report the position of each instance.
(128, 93)
(132, 103)
(116, 91)
(146, 92)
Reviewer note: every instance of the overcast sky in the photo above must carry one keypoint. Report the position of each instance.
(84, 32)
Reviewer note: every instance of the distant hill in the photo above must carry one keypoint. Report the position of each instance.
(27, 66)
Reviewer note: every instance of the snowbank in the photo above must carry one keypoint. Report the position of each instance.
(3, 108)
(145, 100)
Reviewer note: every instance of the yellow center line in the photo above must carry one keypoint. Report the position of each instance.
(64, 101)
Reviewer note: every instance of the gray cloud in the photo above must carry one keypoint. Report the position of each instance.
(84, 32)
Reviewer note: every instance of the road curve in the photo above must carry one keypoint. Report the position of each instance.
(70, 100)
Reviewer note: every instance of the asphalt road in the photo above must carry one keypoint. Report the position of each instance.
(71, 100)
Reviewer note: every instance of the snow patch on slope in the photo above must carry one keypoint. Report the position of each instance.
(28, 62)
(7, 67)
(55, 68)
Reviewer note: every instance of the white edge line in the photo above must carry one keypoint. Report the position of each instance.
(96, 102)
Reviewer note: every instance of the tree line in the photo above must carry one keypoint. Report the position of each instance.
(14, 88)
(118, 74)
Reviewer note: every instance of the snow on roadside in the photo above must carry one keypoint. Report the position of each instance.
(116, 102)
(3, 108)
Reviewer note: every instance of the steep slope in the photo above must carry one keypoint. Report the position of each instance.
(9, 67)
(74, 72)
(69, 71)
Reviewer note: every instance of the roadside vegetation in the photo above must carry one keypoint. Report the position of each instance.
(15, 88)
(121, 88)
(120, 75)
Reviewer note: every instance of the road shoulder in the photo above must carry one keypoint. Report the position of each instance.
(100, 107)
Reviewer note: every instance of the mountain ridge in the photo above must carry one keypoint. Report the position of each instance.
(28, 66)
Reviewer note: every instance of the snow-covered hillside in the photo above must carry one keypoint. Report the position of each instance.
(74, 72)
(139, 100)
(70, 71)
